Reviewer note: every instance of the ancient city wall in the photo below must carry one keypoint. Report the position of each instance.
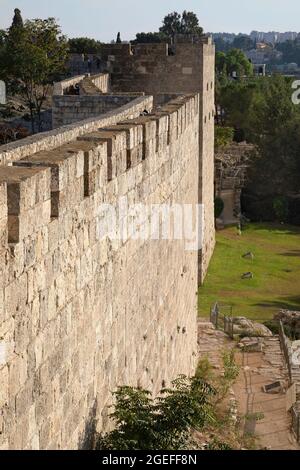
(184, 68)
(80, 315)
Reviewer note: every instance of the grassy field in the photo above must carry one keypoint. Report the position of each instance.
(276, 269)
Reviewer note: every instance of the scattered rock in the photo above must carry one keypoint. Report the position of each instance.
(273, 389)
(247, 328)
(249, 255)
(247, 276)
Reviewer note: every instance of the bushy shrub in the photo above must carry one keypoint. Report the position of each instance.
(164, 423)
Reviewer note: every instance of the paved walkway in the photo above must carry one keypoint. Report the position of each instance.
(273, 427)
(257, 369)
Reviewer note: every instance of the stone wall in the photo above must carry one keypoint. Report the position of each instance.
(159, 69)
(80, 315)
(49, 140)
(70, 109)
(101, 81)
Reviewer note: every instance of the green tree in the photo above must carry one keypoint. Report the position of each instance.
(145, 38)
(33, 57)
(171, 25)
(223, 137)
(190, 24)
(275, 126)
(187, 23)
(118, 41)
(237, 62)
(84, 46)
(17, 20)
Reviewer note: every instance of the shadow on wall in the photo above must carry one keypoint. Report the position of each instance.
(87, 440)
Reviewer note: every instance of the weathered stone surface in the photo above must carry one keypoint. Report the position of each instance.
(82, 315)
(245, 327)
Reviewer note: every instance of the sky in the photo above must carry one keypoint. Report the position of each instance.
(102, 19)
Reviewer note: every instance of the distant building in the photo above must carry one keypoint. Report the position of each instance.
(273, 37)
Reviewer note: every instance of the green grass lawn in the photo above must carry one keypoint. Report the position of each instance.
(276, 269)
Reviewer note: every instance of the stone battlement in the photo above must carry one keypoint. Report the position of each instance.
(79, 168)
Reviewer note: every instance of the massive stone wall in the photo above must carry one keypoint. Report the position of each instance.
(185, 68)
(80, 315)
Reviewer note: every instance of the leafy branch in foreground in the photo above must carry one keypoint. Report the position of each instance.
(164, 423)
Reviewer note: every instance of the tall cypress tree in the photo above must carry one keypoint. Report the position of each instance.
(17, 20)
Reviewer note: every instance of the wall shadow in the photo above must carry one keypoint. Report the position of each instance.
(87, 440)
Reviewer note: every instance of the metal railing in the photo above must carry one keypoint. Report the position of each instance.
(221, 318)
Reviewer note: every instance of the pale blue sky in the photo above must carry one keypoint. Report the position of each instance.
(102, 19)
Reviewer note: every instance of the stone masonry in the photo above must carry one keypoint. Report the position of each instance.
(81, 314)
(78, 315)
(186, 67)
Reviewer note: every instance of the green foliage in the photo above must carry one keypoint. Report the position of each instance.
(84, 46)
(118, 41)
(231, 369)
(290, 50)
(17, 20)
(223, 136)
(234, 61)
(146, 38)
(165, 423)
(219, 207)
(205, 370)
(173, 23)
(275, 130)
(281, 209)
(33, 56)
(215, 444)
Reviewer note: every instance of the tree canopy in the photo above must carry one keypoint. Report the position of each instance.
(234, 62)
(33, 56)
(174, 23)
(84, 46)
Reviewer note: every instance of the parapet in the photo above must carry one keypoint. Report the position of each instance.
(48, 184)
(53, 139)
(112, 52)
(100, 82)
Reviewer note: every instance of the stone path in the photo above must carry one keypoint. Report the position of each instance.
(257, 369)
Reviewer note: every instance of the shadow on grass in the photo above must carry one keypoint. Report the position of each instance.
(292, 253)
(286, 303)
(287, 229)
